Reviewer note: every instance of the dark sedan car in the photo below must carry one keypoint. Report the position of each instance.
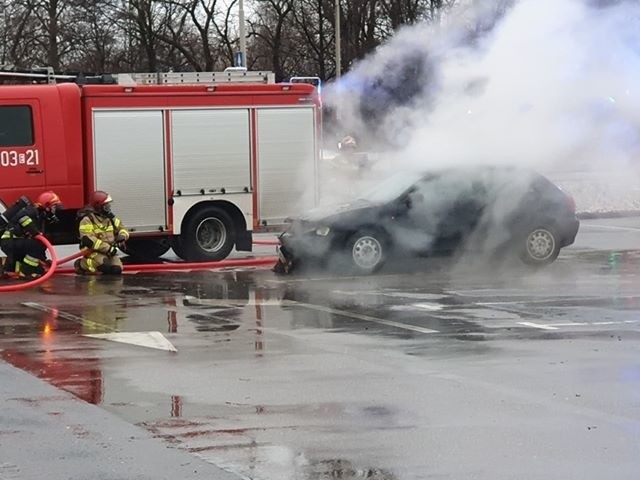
(496, 210)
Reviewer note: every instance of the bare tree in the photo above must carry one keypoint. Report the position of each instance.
(271, 19)
(19, 33)
(314, 31)
(143, 17)
(98, 37)
(201, 30)
(287, 36)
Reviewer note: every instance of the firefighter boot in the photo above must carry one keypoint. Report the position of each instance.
(115, 270)
(29, 268)
(110, 269)
(104, 269)
(77, 266)
(8, 267)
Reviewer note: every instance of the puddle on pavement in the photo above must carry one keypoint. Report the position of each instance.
(258, 441)
(226, 306)
(342, 469)
(212, 323)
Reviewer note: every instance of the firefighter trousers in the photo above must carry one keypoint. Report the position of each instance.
(24, 256)
(99, 262)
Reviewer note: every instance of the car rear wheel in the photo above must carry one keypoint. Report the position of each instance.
(541, 247)
(367, 251)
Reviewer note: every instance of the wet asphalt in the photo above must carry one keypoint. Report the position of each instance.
(436, 368)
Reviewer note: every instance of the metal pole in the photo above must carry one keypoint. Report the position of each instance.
(338, 42)
(243, 35)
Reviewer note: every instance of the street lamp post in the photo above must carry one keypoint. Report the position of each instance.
(338, 42)
(243, 36)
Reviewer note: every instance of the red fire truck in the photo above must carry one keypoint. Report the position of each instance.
(196, 162)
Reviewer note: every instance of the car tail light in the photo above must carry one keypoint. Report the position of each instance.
(571, 203)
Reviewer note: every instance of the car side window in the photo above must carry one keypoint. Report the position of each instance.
(446, 189)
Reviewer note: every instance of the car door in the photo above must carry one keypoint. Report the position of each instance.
(453, 205)
(420, 213)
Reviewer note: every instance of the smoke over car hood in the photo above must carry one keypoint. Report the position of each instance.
(344, 213)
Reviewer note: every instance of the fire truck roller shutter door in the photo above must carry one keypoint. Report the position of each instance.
(129, 158)
(287, 162)
(211, 150)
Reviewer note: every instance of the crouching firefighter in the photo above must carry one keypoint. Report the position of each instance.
(22, 222)
(102, 233)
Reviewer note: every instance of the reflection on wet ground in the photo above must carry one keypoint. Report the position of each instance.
(312, 376)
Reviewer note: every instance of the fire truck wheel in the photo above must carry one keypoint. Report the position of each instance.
(146, 248)
(208, 235)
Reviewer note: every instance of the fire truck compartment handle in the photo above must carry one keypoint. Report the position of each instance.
(34, 172)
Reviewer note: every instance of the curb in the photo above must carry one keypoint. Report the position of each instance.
(610, 214)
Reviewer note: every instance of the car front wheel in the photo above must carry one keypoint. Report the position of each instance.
(367, 251)
(541, 247)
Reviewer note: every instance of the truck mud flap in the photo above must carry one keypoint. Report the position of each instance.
(244, 241)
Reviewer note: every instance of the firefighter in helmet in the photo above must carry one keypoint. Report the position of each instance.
(350, 156)
(26, 254)
(101, 232)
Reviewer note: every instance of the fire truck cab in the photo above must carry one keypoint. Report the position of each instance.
(196, 164)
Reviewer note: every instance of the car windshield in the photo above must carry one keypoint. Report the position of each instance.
(391, 188)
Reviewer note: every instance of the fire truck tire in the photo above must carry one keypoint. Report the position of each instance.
(208, 235)
(146, 248)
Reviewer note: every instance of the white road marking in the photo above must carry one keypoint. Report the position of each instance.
(556, 326)
(236, 302)
(569, 324)
(582, 324)
(415, 296)
(432, 307)
(547, 300)
(358, 316)
(486, 313)
(537, 325)
(611, 227)
(141, 339)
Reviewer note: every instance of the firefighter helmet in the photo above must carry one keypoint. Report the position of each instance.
(99, 199)
(51, 204)
(101, 202)
(348, 143)
(49, 201)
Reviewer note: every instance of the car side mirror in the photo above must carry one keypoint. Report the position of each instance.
(414, 199)
(411, 200)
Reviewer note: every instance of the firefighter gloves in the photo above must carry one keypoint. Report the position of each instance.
(86, 242)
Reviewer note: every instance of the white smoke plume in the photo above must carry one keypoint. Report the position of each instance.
(554, 85)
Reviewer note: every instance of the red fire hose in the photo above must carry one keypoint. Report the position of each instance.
(176, 266)
(79, 254)
(159, 267)
(266, 242)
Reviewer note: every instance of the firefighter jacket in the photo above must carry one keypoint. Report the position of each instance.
(28, 222)
(101, 232)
